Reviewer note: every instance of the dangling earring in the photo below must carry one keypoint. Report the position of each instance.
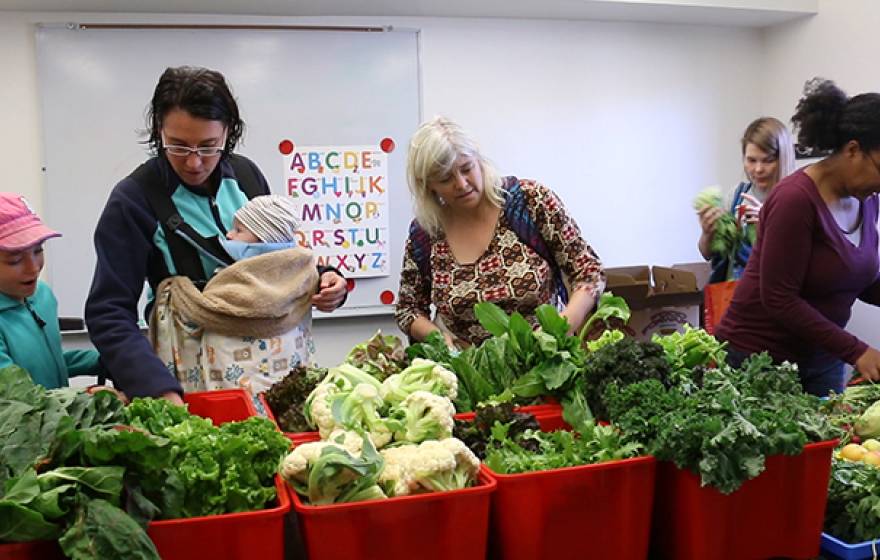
(440, 199)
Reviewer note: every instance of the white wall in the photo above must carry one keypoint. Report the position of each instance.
(626, 121)
(839, 44)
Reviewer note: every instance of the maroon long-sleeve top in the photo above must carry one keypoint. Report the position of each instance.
(796, 294)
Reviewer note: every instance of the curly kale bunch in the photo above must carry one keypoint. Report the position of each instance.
(623, 363)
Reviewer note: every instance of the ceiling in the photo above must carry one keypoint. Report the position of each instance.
(749, 13)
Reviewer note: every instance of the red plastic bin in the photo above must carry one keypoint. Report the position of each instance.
(435, 526)
(596, 511)
(777, 514)
(590, 511)
(230, 536)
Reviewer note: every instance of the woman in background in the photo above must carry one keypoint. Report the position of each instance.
(817, 248)
(768, 157)
(480, 237)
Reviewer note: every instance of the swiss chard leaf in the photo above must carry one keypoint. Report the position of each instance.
(102, 530)
(19, 523)
(492, 318)
(551, 321)
(105, 482)
(529, 385)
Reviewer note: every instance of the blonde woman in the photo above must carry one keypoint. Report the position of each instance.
(478, 237)
(768, 157)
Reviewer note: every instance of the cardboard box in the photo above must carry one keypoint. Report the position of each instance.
(662, 299)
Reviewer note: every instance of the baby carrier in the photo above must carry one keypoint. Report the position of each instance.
(246, 329)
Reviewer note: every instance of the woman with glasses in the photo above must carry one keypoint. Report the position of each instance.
(768, 157)
(166, 217)
(817, 248)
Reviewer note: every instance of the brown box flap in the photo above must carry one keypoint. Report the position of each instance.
(644, 287)
(632, 283)
(702, 271)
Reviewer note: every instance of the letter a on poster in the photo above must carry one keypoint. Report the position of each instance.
(341, 193)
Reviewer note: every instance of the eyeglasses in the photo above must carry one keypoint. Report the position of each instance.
(185, 151)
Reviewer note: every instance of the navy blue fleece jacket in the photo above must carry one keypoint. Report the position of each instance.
(130, 245)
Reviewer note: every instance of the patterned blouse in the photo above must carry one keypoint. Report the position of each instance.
(509, 273)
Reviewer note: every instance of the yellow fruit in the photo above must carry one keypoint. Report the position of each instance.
(871, 458)
(853, 452)
(871, 444)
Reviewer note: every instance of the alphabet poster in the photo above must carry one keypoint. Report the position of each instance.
(341, 193)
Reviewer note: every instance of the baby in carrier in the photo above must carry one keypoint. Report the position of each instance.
(252, 322)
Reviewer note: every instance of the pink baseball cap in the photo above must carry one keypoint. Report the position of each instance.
(20, 227)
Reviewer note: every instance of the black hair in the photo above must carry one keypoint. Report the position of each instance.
(200, 92)
(826, 119)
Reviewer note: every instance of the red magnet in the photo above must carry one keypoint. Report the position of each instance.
(286, 147)
(387, 297)
(387, 145)
(349, 284)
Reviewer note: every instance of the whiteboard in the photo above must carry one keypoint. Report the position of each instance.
(314, 87)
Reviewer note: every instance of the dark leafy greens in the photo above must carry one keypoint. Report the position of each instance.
(84, 470)
(853, 510)
(725, 429)
(477, 433)
(554, 450)
(287, 397)
(380, 356)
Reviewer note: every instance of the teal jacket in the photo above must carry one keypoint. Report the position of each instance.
(36, 347)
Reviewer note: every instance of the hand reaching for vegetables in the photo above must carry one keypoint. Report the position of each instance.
(119, 394)
(868, 364)
(173, 397)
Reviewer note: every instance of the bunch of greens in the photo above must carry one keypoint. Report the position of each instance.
(845, 410)
(591, 444)
(433, 348)
(41, 498)
(85, 470)
(607, 337)
(380, 356)
(526, 361)
(611, 312)
(685, 351)
(476, 433)
(853, 510)
(287, 397)
(728, 234)
(621, 363)
(726, 428)
(224, 469)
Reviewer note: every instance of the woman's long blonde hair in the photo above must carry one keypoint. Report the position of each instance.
(773, 137)
(432, 153)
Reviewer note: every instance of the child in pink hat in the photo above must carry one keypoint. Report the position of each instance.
(29, 333)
